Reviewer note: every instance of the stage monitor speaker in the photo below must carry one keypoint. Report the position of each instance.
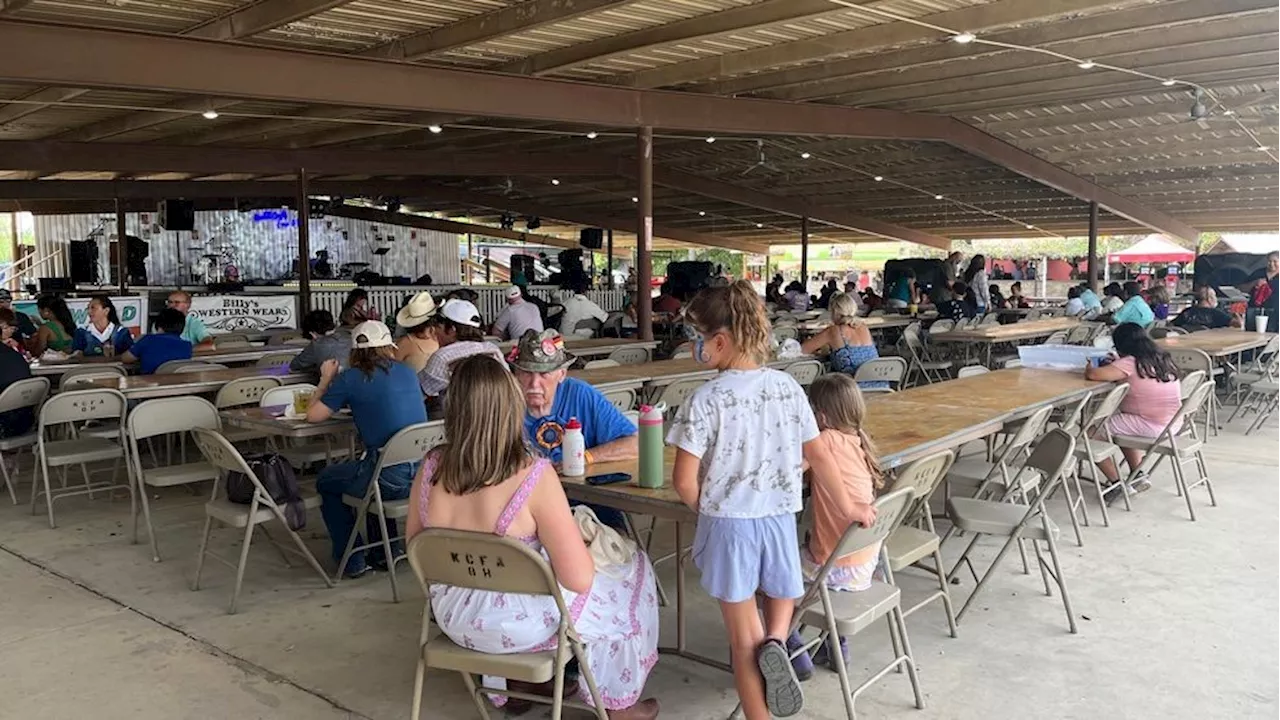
(591, 238)
(177, 214)
(523, 264)
(84, 261)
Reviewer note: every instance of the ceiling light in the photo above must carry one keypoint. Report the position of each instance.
(964, 38)
(1263, 148)
(937, 197)
(702, 213)
(1086, 65)
(1228, 111)
(805, 155)
(759, 225)
(879, 178)
(434, 129)
(711, 139)
(1031, 227)
(635, 199)
(1169, 83)
(555, 181)
(209, 114)
(592, 135)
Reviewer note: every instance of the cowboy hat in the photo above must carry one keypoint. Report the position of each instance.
(419, 310)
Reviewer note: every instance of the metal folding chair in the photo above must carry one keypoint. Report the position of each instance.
(804, 371)
(28, 393)
(630, 355)
(1179, 442)
(916, 538)
(67, 409)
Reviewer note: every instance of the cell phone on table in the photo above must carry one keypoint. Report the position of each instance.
(608, 479)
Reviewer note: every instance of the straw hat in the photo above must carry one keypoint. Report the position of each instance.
(419, 310)
(540, 352)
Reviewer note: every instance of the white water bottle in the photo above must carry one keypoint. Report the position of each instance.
(573, 450)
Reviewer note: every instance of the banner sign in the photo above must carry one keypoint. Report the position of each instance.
(244, 313)
(132, 310)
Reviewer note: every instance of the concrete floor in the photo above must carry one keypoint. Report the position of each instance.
(1177, 620)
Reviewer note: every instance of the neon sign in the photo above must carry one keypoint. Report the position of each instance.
(279, 217)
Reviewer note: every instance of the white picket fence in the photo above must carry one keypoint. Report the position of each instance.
(491, 302)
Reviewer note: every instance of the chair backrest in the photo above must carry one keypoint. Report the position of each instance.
(1191, 405)
(890, 510)
(1079, 334)
(412, 443)
(225, 457)
(221, 341)
(1190, 382)
(682, 353)
(785, 332)
(283, 338)
(1105, 408)
(941, 325)
(481, 561)
(891, 368)
(677, 392)
(1012, 362)
(275, 360)
(234, 345)
(96, 370)
(81, 405)
(593, 364)
(923, 477)
(297, 342)
(877, 313)
(1059, 337)
(1051, 457)
(971, 370)
(200, 367)
(1175, 330)
(86, 380)
(1191, 359)
(1031, 429)
(171, 415)
(170, 366)
(30, 392)
(283, 395)
(633, 416)
(591, 324)
(629, 355)
(624, 399)
(244, 391)
(804, 371)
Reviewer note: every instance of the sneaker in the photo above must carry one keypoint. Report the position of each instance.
(1140, 483)
(782, 691)
(823, 655)
(802, 663)
(354, 571)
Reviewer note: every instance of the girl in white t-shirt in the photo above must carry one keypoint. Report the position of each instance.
(742, 442)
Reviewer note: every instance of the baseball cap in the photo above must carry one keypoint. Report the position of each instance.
(371, 334)
(461, 312)
(513, 292)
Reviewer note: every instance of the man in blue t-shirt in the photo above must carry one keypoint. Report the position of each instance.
(165, 344)
(551, 398)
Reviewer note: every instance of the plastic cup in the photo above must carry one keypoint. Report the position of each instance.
(1260, 323)
(301, 401)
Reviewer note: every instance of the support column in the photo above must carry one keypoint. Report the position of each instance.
(644, 232)
(122, 249)
(609, 257)
(804, 252)
(304, 244)
(1093, 246)
(466, 266)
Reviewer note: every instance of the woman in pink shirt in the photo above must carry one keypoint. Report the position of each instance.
(1153, 399)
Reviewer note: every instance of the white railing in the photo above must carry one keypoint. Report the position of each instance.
(16, 271)
(492, 298)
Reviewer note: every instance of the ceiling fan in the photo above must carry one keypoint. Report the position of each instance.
(761, 160)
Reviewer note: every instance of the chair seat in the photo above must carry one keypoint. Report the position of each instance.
(935, 364)
(1101, 450)
(994, 518)
(237, 515)
(1270, 387)
(1186, 446)
(108, 429)
(82, 450)
(171, 475)
(442, 653)
(393, 508)
(854, 611)
(907, 545)
(19, 441)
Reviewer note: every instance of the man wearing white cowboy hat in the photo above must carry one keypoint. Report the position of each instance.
(460, 336)
(518, 317)
(418, 320)
(384, 399)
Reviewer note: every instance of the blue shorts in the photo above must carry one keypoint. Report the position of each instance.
(739, 557)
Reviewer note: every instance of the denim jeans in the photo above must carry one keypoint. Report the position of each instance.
(352, 478)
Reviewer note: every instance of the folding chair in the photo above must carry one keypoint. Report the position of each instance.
(916, 538)
(892, 370)
(1059, 337)
(411, 444)
(275, 360)
(843, 614)
(94, 371)
(630, 355)
(1261, 399)
(1263, 368)
(930, 370)
(171, 366)
(971, 370)
(1179, 442)
(606, 363)
(302, 454)
(1093, 445)
(261, 510)
(69, 408)
(440, 556)
(1017, 522)
(233, 339)
(241, 392)
(1190, 360)
(941, 325)
(624, 399)
(197, 366)
(28, 393)
(283, 338)
(804, 371)
(981, 479)
(587, 327)
(785, 332)
(677, 392)
(162, 416)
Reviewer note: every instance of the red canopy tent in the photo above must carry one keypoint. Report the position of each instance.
(1153, 249)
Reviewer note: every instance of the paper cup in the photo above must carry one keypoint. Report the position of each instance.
(1260, 323)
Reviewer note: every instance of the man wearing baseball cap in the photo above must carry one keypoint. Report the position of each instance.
(518, 317)
(384, 399)
(460, 336)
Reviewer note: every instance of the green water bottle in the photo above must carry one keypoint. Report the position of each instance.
(652, 474)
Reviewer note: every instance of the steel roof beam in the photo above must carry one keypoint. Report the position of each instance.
(257, 18)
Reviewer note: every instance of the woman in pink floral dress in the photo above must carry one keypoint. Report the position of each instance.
(486, 480)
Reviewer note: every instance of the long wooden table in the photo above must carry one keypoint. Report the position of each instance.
(139, 387)
(594, 347)
(213, 355)
(873, 323)
(658, 373)
(270, 421)
(991, 335)
(1219, 342)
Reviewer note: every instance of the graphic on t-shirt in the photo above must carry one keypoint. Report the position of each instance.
(549, 435)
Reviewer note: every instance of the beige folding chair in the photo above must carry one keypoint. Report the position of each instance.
(929, 370)
(890, 369)
(283, 338)
(971, 370)
(300, 454)
(677, 392)
(197, 366)
(804, 371)
(440, 556)
(605, 363)
(283, 394)
(296, 342)
(844, 614)
(411, 444)
(239, 393)
(1262, 400)
(990, 319)
(28, 393)
(1179, 442)
(275, 360)
(261, 510)
(1190, 360)
(68, 409)
(172, 366)
(587, 327)
(630, 355)
(785, 332)
(941, 325)
(970, 477)
(93, 370)
(916, 538)
(1017, 522)
(624, 399)
(1080, 334)
(162, 416)
(220, 341)
(1093, 445)
(1059, 337)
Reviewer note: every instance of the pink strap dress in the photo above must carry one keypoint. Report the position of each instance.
(617, 618)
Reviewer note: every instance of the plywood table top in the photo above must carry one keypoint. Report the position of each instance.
(208, 354)
(1219, 342)
(875, 322)
(1007, 333)
(1004, 394)
(593, 347)
(271, 420)
(138, 387)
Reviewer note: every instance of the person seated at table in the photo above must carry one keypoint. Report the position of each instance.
(163, 344)
(998, 301)
(579, 307)
(23, 328)
(327, 343)
(1089, 299)
(14, 367)
(358, 300)
(1016, 299)
(194, 331)
(1113, 298)
(839, 502)
(418, 319)
(517, 317)
(1154, 396)
(773, 291)
(824, 298)
(667, 302)
(459, 335)
(1135, 308)
(956, 308)
(871, 301)
(1205, 314)
(485, 480)
(1158, 299)
(1075, 304)
(58, 328)
(847, 339)
(103, 335)
(796, 299)
(9, 333)
(551, 398)
(903, 292)
(384, 399)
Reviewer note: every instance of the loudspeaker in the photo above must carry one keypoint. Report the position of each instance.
(176, 214)
(84, 261)
(591, 238)
(688, 277)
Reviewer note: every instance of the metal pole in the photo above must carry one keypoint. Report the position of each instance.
(304, 244)
(1093, 246)
(14, 281)
(466, 266)
(804, 252)
(609, 257)
(644, 232)
(488, 268)
(122, 248)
